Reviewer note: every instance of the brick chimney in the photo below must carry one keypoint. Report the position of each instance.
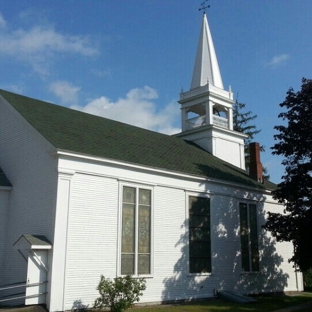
(255, 166)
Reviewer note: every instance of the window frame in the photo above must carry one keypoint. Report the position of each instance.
(187, 198)
(250, 253)
(137, 187)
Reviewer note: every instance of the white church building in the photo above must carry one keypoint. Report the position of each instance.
(82, 196)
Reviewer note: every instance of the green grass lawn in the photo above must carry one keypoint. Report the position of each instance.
(264, 304)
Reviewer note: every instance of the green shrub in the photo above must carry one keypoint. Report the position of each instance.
(119, 294)
(307, 277)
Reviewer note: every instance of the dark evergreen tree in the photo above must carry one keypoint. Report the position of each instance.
(295, 190)
(241, 123)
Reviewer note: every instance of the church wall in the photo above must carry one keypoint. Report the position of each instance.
(25, 157)
(92, 238)
(228, 151)
(279, 254)
(4, 203)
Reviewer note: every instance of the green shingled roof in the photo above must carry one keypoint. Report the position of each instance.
(92, 135)
(3, 179)
(39, 240)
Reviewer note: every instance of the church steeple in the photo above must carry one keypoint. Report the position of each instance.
(206, 64)
(206, 109)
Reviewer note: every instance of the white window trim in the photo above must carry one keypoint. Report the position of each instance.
(137, 186)
(240, 243)
(187, 215)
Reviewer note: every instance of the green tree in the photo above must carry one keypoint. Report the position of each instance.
(242, 123)
(307, 277)
(295, 190)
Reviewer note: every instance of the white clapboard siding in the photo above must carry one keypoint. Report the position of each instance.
(92, 237)
(25, 157)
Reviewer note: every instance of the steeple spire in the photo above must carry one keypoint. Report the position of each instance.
(206, 109)
(206, 67)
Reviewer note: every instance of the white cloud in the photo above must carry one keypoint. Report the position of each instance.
(278, 59)
(101, 73)
(37, 45)
(40, 39)
(138, 109)
(65, 91)
(2, 21)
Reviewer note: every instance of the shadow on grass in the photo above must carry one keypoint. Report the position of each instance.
(265, 303)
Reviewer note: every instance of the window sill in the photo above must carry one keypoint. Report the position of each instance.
(200, 274)
(250, 273)
(143, 276)
(138, 276)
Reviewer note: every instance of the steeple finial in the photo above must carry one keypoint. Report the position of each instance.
(204, 6)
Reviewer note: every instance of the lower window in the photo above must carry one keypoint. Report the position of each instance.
(249, 237)
(199, 235)
(136, 231)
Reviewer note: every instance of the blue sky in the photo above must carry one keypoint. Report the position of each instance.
(128, 60)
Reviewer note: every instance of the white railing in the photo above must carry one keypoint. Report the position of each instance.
(221, 122)
(201, 121)
(195, 122)
(20, 295)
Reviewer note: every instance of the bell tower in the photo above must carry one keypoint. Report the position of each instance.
(206, 109)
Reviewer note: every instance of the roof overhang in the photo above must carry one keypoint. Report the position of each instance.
(32, 242)
(197, 178)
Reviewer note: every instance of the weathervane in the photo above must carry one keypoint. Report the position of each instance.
(204, 6)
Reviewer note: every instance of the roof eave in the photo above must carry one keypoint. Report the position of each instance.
(177, 174)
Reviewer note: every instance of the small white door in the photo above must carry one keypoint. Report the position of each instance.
(36, 273)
